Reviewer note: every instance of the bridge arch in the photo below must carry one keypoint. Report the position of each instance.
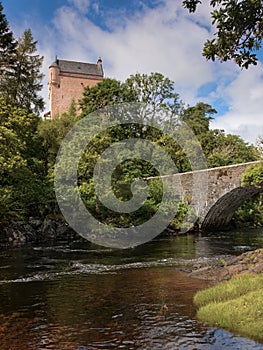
(224, 192)
(221, 212)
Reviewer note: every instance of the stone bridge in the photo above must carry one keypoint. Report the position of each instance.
(215, 193)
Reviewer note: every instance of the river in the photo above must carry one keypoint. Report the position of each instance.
(80, 296)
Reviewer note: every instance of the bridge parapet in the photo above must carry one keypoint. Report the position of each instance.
(215, 193)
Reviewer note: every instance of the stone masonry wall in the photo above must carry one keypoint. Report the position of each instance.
(218, 189)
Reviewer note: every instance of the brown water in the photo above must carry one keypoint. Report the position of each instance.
(79, 296)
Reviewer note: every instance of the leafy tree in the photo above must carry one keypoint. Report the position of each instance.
(198, 117)
(156, 90)
(253, 175)
(105, 93)
(252, 210)
(52, 132)
(23, 86)
(239, 26)
(153, 89)
(221, 149)
(7, 46)
(23, 185)
(259, 144)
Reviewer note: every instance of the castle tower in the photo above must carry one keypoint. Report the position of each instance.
(67, 81)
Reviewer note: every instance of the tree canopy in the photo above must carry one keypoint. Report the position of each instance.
(155, 89)
(105, 93)
(29, 145)
(158, 91)
(239, 30)
(23, 183)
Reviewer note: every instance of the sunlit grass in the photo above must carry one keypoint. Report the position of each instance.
(236, 305)
(237, 286)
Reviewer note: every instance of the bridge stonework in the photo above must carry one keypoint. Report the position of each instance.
(215, 193)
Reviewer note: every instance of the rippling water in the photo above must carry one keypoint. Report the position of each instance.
(79, 296)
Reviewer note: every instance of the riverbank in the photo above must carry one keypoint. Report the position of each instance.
(223, 269)
(35, 231)
(236, 303)
(18, 233)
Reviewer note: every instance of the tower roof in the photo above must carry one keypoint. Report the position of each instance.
(79, 67)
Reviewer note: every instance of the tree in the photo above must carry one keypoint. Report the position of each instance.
(105, 93)
(24, 190)
(239, 26)
(156, 90)
(52, 132)
(23, 86)
(221, 149)
(259, 144)
(198, 117)
(7, 46)
(253, 175)
(252, 209)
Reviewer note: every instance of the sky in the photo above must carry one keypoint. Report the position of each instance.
(144, 36)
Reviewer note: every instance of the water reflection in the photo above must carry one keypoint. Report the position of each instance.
(80, 296)
(107, 310)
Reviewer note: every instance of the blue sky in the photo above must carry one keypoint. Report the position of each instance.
(143, 36)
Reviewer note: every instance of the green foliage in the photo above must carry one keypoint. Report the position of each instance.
(23, 84)
(156, 90)
(251, 210)
(105, 93)
(253, 175)
(52, 132)
(131, 169)
(239, 26)
(221, 149)
(7, 46)
(29, 145)
(122, 179)
(23, 185)
(198, 117)
(20, 76)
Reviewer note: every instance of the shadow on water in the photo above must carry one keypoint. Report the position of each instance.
(80, 296)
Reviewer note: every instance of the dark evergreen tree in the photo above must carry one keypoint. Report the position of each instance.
(7, 48)
(198, 117)
(23, 86)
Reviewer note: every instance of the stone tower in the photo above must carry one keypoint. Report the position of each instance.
(67, 81)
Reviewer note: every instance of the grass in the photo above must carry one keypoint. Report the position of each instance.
(236, 305)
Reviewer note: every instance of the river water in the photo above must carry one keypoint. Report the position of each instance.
(81, 296)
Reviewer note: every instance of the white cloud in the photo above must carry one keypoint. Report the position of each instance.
(81, 5)
(245, 96)
(164, 39)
